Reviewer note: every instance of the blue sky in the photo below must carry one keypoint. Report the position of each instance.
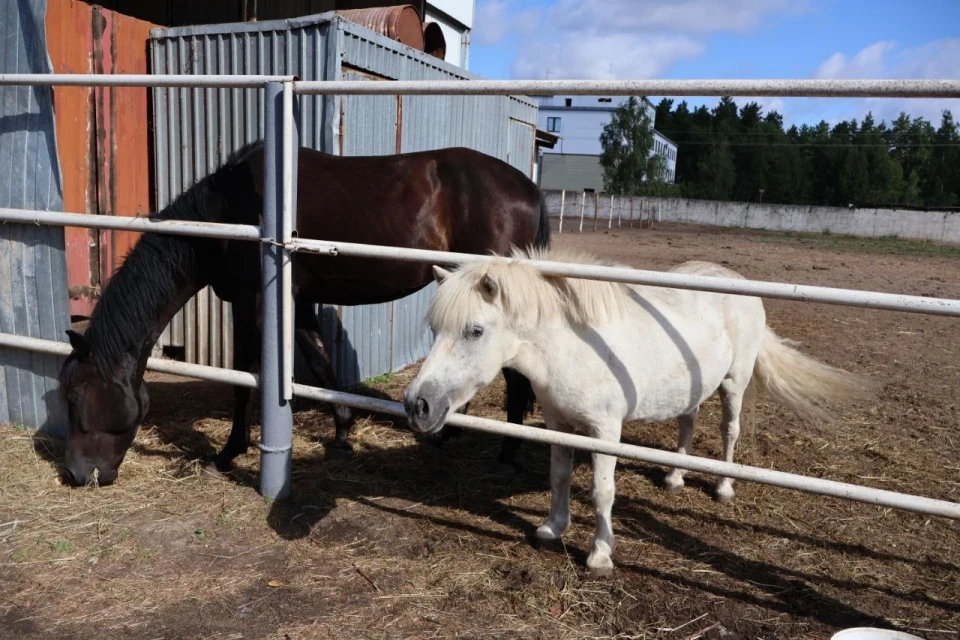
(728, 39)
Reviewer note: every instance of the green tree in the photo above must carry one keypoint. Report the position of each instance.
(627, 141)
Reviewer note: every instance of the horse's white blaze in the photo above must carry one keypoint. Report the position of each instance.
(598, 354)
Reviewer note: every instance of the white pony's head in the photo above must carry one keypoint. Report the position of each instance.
(473, 338)
(483, 314)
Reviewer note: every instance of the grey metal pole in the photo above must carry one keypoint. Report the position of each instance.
(276, 439)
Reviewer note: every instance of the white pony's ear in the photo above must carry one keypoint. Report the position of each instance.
(489, 288)
(440, 274)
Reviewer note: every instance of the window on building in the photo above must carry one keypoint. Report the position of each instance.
(568, 102)
(604, 99)
(554, 124)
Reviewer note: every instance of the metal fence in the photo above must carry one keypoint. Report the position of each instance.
(276, 376)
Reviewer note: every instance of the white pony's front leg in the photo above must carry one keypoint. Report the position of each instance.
(561, 467)
(600, 561)
(674, 480)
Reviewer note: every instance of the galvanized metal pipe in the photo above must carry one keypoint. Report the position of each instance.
(123, 223)
(799, 292)
(287, 217)
(781, 479)
(276, 448)
(226, 81)
(173, 367)
(807, 88)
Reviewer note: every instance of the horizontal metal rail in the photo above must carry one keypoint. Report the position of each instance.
(139, 80)
(807, 88)
(857, 493)
(123, 223)
(161, 365)
(799, 292)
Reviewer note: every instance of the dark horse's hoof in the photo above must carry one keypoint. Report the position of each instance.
(212, 470)
(339, 450)
(506, 470)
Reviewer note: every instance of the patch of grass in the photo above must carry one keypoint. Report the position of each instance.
(883, 245)
(381, 379)
(62, 547)
(203, 535)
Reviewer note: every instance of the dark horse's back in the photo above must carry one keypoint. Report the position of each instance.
(452, 199)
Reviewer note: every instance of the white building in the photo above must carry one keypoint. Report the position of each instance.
(578, 121)
(455, 18)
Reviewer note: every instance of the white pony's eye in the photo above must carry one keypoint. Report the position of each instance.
(475, 331)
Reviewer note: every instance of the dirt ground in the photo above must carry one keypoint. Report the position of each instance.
(404, 540)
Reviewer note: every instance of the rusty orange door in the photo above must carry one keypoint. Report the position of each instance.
(103, 137)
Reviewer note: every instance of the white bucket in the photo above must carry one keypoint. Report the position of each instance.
(869, 633)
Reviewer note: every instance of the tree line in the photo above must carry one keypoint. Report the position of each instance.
(740, 153)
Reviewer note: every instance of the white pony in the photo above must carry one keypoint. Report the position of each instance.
(599, 353)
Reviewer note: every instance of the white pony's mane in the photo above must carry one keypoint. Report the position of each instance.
(527, 295)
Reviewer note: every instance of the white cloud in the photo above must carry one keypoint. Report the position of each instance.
(869, 62)
(491, 21)
(936, 59)
(496, 19)
(604, 57)
(620, 38)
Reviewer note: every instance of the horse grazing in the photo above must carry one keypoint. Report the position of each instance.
(446, 200)
(600, 353)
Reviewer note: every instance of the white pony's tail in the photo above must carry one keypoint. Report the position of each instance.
(808, 386)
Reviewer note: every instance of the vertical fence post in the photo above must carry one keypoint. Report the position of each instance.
(583, 204)
(276, 440)
(563, 197)
(596, 208)
(610, 220)
(632, 198)
(620, 212)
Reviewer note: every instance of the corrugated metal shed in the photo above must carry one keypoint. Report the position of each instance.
(33, 293)
(195, 129)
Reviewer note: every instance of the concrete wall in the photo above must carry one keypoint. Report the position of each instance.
(941, 226)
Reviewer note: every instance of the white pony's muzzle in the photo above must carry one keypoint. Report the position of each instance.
(427, 408)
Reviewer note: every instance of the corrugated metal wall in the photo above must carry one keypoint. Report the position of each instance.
(33, 291)
(194, 128)
(103, 143)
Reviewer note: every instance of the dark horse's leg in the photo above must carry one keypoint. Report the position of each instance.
(310, 340)
(519, 401)
(246, 352)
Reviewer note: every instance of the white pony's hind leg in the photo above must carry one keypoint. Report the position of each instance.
(561, 467)
(731, 397)
(674, 480)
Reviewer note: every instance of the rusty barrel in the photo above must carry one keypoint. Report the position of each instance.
(401, 23)
(434, 42)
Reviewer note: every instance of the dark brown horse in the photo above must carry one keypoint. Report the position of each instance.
(447, 200)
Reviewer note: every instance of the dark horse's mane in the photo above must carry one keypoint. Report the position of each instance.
(147, 282)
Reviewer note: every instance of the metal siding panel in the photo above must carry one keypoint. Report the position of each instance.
(370, 344)
(206, 125)
(33, 296)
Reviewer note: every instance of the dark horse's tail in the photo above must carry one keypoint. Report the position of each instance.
(542, 239)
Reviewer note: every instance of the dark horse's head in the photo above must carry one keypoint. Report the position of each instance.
(104, 407)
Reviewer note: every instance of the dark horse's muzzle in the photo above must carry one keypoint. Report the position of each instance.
(80, 471)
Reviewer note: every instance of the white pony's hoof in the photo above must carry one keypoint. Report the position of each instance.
(545, 533)
(672, 486)
(724, 497)
(600, 568)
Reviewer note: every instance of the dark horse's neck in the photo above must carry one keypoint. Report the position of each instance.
(161, 273)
